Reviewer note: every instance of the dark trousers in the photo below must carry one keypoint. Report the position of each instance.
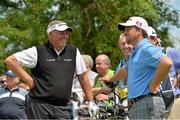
(37, 109)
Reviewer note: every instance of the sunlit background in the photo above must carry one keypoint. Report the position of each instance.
(175, 32)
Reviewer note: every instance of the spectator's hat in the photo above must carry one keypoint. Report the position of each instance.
(134, 21)
(58, 25)
(10, 73)
(151, 32)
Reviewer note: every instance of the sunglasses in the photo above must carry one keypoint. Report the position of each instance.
(2, 82)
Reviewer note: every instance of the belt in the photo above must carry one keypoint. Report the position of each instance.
(134, 100)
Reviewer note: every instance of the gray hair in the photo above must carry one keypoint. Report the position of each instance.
(106, 59)
(88, 60)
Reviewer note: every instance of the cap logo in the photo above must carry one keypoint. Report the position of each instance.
(55, 27)
(138, 23)
(60, 27)
(60, 24)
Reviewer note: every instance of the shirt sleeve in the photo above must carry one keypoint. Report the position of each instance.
(153, 56)
(28, 57)
(174, 54)
(80, 65)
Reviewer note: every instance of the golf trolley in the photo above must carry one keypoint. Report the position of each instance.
(117, 110)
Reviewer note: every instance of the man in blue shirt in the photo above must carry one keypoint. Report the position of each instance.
(146, 68)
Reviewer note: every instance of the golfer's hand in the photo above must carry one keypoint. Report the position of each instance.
(93, 109)
(154, 87)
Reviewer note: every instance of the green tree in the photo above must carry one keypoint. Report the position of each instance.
(24, 22)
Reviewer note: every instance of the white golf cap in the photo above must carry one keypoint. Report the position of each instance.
(151, 32)
(58, 25)
(134, 21)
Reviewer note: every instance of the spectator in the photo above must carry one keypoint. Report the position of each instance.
(126, 50)
(77, 93)
(153, 37)
(100, 89)
(146, 68)
(53, 66)
(12, 98)
(91, 75)
(89, 65)
(3, 80)
(122, 84)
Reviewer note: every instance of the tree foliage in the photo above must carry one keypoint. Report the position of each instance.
(24, 22)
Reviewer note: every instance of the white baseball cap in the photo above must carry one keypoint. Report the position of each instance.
(151, 32)
(134, 21)
(58, 25)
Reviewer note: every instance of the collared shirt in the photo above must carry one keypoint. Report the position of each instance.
(121, 63)
(28, 58)
(12, 103)
(91, 75)
(174, 55)
(120, 83)
(141, 68)
(99, 83)
(77, 87)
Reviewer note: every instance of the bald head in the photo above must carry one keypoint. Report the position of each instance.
(102, 64)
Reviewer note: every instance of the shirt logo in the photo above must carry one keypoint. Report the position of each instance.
(50, 60)
(138, 23)
(67, 60)
(157, 55)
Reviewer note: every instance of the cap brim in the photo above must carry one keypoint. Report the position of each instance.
(10, 75)
(121, 26)
(69, 29)
(61, 28)
(65, 28)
